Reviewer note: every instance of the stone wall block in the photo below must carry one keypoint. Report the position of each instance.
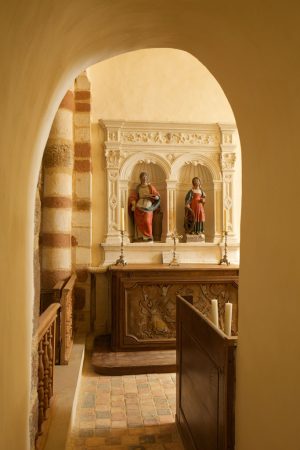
(82, 134)
(57, 183)
(81, 219)
(56, 220)
(54, 258)
(82, 119)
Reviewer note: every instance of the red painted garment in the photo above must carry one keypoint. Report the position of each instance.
(195, 201)
(142, 215)
(197, 207)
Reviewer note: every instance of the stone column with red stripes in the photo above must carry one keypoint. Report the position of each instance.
(57, 197)
(82, 194)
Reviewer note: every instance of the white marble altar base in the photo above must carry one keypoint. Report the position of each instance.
(161, 252)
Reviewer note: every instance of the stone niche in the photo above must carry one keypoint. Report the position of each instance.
(172, 154)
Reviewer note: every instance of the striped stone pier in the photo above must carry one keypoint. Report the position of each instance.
(82, 196)
(57, 197)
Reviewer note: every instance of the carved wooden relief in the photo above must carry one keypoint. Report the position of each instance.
(150, 309)
(143, 301)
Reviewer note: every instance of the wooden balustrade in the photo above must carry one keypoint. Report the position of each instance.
(46, 358)
(66, 320)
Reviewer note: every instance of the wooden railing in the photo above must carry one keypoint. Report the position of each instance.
(63, 293)
(46, 359)
(66, 320)
(205, 391)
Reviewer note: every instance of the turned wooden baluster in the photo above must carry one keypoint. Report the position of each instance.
(40, 387)
(50, 357)
(46, 356)
(69, 320)
(46, 372)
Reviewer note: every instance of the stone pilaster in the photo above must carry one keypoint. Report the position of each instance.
(82, 196)
(171, 208)
(228, 166)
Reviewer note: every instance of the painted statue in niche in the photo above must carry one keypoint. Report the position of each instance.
(142, 203)
(194, 209)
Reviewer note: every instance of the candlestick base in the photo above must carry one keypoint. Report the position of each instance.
(175, 236)
(121, 261)
(224, 259)
(174, 262)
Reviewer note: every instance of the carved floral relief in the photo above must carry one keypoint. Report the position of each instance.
(162, 137)
(151, 309)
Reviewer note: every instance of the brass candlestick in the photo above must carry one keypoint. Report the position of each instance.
(121, 261)
(225, 260)
(175, 236)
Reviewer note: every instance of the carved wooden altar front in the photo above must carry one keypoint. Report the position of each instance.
(144, 301)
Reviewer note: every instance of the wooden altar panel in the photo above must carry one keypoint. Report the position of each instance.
(143, 301)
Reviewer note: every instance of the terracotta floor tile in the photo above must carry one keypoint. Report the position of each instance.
(103, 423)
(119, 424)
(125, 413)
(94, 441)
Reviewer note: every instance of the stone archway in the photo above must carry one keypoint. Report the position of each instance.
(241, 52)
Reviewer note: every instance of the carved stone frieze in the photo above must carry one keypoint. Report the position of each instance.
(112, 158)
(194, 162)
(147, 161)
(227, 138)
(112, 136)
(227, 160)
(166, 137)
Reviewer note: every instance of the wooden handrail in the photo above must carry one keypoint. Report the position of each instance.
(66, 324)
(46, 356)
(70, 284)
(46, 318)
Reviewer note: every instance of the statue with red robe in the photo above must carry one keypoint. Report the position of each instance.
(142, 203)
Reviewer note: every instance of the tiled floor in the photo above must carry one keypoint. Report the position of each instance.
(135, 412)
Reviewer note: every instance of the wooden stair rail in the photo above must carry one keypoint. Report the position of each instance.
(46, 358)
(66, 320)
(205, 381)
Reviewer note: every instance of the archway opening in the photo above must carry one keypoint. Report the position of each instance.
(180, 163)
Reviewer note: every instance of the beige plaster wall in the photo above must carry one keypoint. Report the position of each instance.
(158, 84)
(251, 48)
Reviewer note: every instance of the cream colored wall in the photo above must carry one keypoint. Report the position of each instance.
(251, 48)
(157, 84)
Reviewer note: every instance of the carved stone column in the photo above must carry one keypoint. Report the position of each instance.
(218, 208)
(113, 204)
(227, 162)
(171, 207)
(123, 201)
